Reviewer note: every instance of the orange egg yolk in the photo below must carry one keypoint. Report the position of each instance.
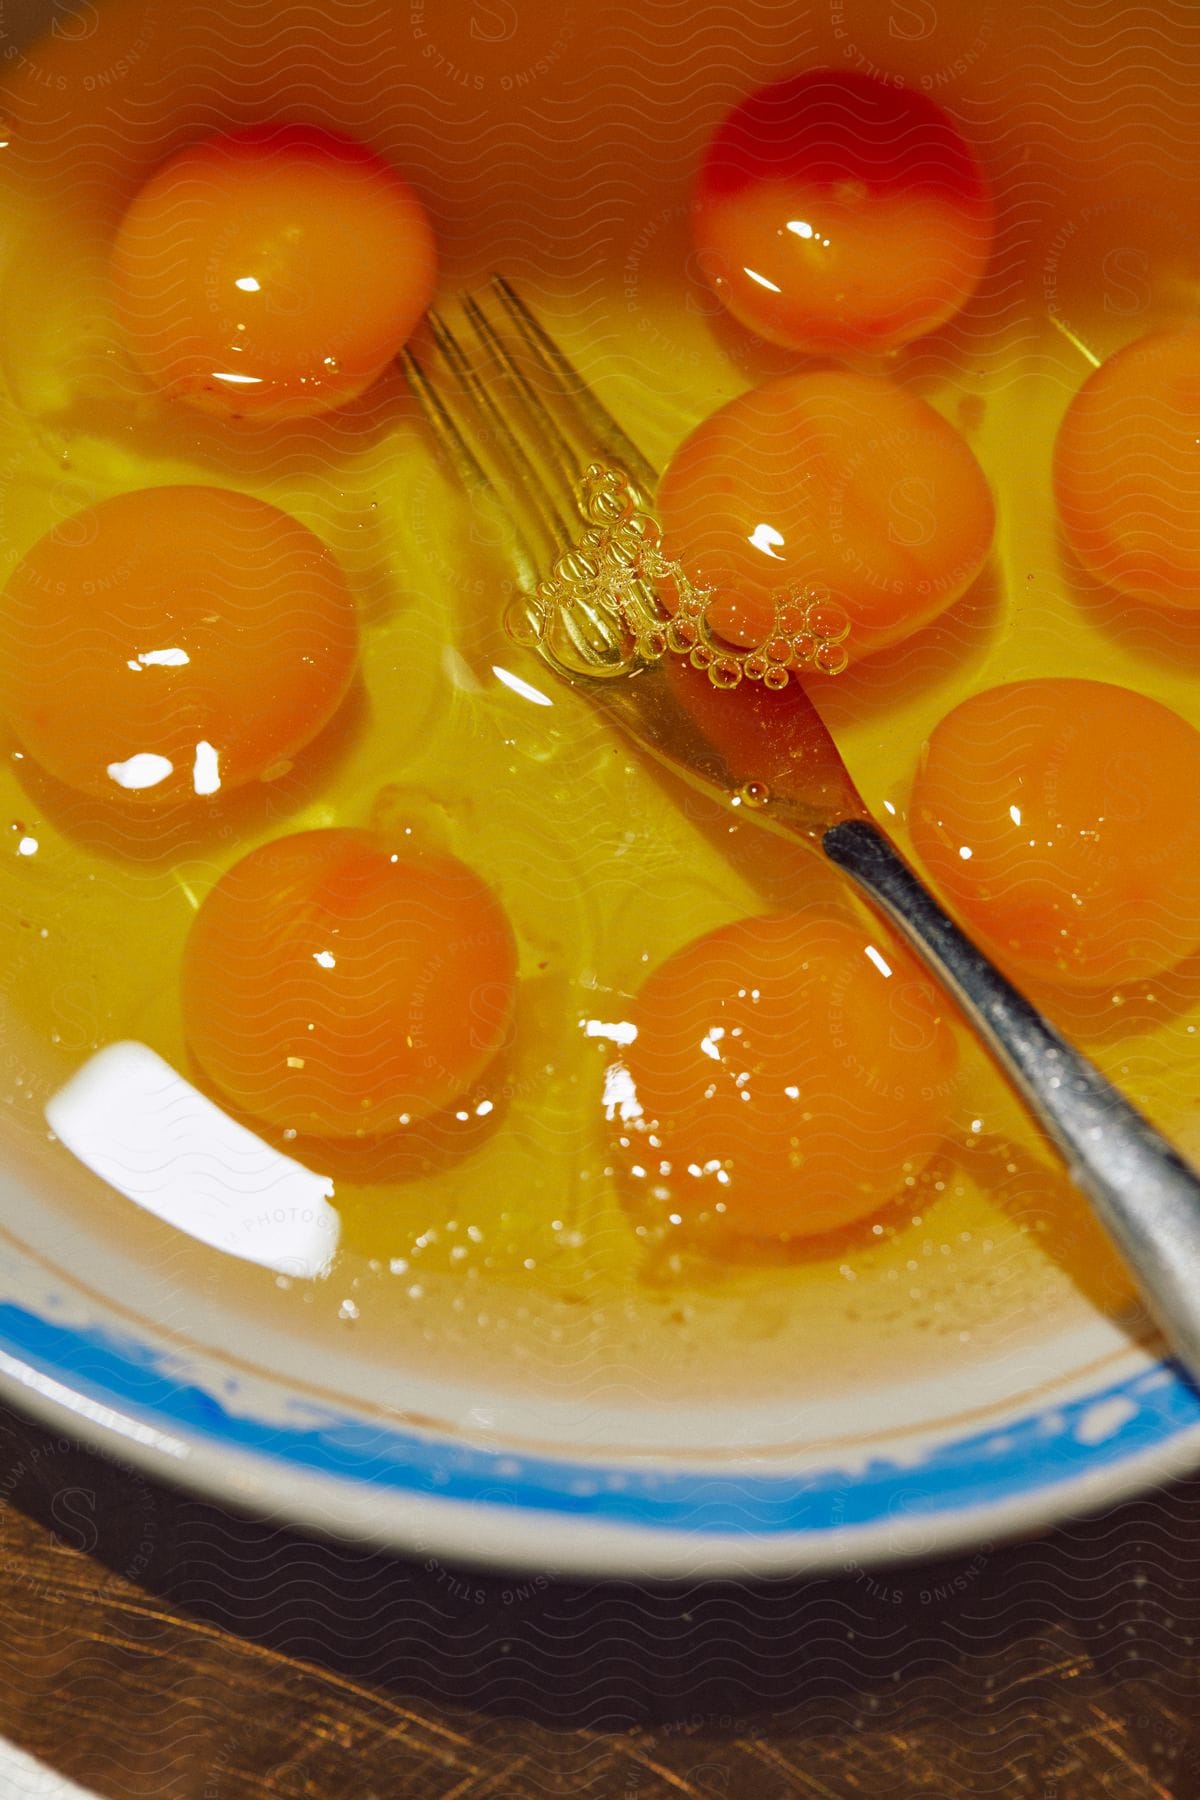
(831, 481)
(335, 987)
(171, 644)
(274, 270)
(835, 212)
(1127, 470)
(1054, 816)
(788, 1075)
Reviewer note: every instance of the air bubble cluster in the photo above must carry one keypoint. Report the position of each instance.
(613, 600)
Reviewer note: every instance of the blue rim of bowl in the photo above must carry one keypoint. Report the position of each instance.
(1105, 1443)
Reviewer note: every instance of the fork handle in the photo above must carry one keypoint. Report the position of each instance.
(1145, 1194)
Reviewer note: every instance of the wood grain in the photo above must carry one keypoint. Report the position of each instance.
(154, 1645)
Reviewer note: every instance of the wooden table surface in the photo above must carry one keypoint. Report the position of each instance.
(154, 1645)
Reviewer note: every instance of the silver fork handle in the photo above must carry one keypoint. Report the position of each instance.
(1145, 1194)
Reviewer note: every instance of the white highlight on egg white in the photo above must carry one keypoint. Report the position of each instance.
(206, 768)
(145, 770)
(136, 1123)
(620, 1095)
(622, 1031)
(523, 688)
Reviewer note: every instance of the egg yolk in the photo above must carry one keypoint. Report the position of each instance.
(274, 270)
(173, 643)
(788, 1075)
(835, 481)
(1054, 816)
(1127, 470)
(338, 988)
(835, 212)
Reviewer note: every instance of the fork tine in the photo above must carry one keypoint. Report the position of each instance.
(466, 465)
(556, 496)
(569, 385)
(520, 427)
(438, 416)
(526, 492)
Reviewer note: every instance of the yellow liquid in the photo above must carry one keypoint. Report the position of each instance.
(557, 143)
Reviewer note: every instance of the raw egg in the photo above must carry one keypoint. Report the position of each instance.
(274, 270)
(832, 481)
(336, 987)
(834, 212)
(1127, 470)
(1056, 817)
(173, 643)
(788, 1075)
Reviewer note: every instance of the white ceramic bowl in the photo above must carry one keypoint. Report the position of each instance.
(116, 1328)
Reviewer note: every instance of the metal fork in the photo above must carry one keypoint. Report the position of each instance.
(523, 431)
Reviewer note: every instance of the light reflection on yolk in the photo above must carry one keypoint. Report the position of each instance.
(835, 480)
(834, 211)
(1127, 470)
(271, 271)
(170, 644)
(1053, 815)
(335, 987)
(787, 1076)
